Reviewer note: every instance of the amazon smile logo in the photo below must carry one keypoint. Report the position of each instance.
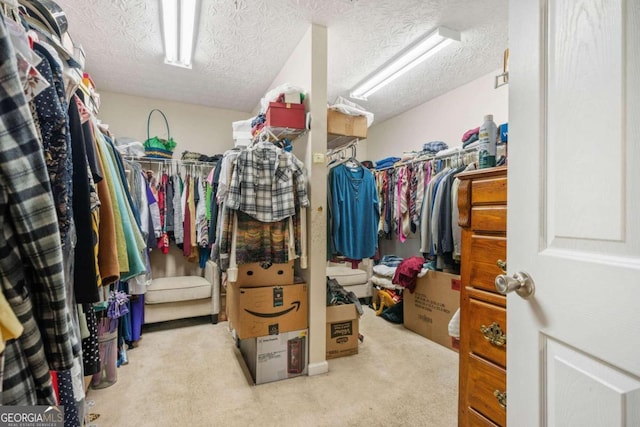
(294, 305)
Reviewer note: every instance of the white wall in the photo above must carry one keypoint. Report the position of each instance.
(307, 68)
(445, 118)
(194, 127)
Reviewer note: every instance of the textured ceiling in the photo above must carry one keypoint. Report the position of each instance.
(243, 44)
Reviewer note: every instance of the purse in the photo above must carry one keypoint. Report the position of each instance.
(155, 147)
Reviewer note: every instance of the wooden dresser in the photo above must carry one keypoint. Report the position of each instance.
(482, 203)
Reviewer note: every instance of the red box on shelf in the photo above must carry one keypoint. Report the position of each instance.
(284, 115)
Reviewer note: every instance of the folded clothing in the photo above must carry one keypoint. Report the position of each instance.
(386, 162)
(383, 282)
(473, 138)
(384, 270)
(434, 146)
(391, 260)
(468, 134)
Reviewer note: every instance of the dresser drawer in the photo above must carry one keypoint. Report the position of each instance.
(489, 191)
(485, 316)
(485, 379)
(489, 219)
(486, 251)
(477, 420)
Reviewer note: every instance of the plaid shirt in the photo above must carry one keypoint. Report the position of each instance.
(30, 250)
(263, 182)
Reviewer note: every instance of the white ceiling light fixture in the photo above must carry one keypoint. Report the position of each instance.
(179, 31)
(405, 61)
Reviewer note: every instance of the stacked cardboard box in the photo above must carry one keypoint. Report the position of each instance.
(276, 357)
(269, 315)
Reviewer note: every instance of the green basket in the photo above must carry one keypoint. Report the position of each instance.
(155, 147)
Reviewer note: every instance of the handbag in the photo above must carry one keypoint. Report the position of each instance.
(155, 147)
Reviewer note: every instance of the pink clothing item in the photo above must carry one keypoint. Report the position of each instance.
(407, 273)
(401, 203)
(470, 132)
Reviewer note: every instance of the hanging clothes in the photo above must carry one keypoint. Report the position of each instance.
(32, 250)
(355, 211)
(86, 276)
(263, 183)
(132, 244)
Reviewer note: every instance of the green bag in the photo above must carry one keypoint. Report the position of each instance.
(158, 148)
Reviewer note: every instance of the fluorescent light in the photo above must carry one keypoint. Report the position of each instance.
(187, 30)
(170, 28)
(178, 24)
(405, 61)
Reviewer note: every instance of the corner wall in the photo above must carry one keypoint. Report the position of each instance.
(194, 127)
(307, 68)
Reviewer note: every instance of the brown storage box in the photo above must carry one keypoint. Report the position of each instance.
(268, 310)
(430, 308)
(342, 330)
(276, 357)
(284, 115)
(254, 274)
(344, 124)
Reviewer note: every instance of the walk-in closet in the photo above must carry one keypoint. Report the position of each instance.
(319, 213)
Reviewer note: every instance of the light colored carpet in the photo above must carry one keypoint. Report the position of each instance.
(193, 375)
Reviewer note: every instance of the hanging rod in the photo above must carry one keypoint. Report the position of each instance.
(420, 159)
(177, 162)
(353, 145)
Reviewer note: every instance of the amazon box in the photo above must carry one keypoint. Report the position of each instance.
(256, 274)
(342, 330)
(267, 310)
(276, 357)
(429, 309)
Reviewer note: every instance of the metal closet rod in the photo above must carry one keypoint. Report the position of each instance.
(177, 162)
(353, 146)
(457, 153)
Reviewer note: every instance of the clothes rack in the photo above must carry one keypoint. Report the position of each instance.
(341, 152)
(178, 162)
(467, 155)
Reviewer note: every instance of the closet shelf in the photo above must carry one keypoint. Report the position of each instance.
(278, 133)
(336, 141)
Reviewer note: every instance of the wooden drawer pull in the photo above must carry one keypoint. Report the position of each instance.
(494, 334)
(502, 265)
(502, 397)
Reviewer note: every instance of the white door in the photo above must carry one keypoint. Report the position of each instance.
(574, 213)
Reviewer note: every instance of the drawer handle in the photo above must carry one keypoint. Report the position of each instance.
(494, 334)
(502, 397)
(502, 265)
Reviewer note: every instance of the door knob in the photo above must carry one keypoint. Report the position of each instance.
(521, 282)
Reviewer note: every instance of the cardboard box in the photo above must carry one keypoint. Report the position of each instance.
(276, 357)
(284, 115)
(256, 274)
(344, 124)
(342, 330)
(429, 309)
(268, 310)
